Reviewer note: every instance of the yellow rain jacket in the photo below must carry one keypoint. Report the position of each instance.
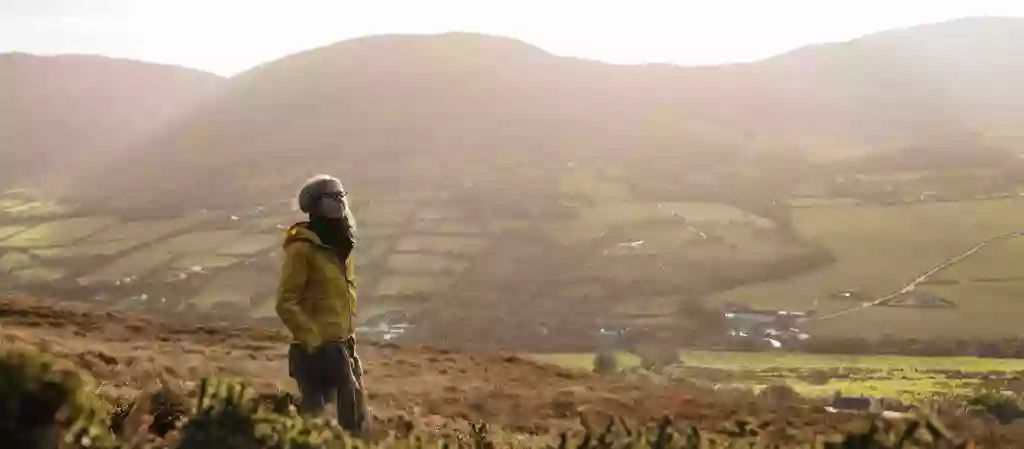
(316, 296)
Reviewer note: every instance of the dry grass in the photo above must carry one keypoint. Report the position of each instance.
(423, 387)
(899, 377)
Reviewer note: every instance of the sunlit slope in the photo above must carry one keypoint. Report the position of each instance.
(502, 186)
(58, 113)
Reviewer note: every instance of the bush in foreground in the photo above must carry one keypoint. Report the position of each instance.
(49, 407)
(1004, 408)
(46, 404)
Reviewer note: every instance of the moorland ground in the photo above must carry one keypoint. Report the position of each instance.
(439, 391)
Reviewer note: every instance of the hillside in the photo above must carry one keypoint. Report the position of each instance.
(62, 111)
(509, 197)
(51, 354)
(904, 87)
(391, 111)
(449, 111)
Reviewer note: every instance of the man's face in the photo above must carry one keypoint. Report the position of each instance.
(332, 202)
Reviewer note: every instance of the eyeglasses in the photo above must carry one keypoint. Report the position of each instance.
(335, 195)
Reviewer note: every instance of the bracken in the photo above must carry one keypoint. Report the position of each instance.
(49, 407)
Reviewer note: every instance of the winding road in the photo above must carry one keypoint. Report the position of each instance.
(923, 277)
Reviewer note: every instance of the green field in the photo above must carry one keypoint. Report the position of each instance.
(409, 284)
(140, 232)
(238, 286)
(249, 245)
(879, 249)
(382, 213)
(993, 264)
(663, 227)
(58, 233)
(85, 250)
(897, 377)
(204, 261)
(446, 227)
(38, 275)
(145, 261)
(714, 213)
(984, 287)
(424, 263)
(13, 261)
(23, 209)
(7, 231)
(441, 244)
(821, 202)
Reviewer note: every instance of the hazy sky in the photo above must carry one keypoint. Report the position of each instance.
(228, 36)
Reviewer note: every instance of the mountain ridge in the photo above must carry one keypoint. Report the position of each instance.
(450, 92)
(519, 189)
(98, 57)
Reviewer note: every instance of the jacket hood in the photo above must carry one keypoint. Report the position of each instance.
(301, 231)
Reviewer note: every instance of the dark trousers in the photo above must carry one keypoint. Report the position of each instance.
(331, 373)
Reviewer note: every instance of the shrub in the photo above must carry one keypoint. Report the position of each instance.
(230, 415)
(605, 363)
(166, 407)
(818, 377)
(778, 395)
(1004, 408)
(43, 404)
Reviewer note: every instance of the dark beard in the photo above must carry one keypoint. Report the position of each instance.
(336, 233)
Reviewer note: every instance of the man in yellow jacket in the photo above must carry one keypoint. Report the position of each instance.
(316, 300)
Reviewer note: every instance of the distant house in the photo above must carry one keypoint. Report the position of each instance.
(751, 317)
(764, 328)
(851, 403)
(862, 404)
(744, 319)
(848, 294)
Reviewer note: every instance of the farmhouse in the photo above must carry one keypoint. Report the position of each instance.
(744, 317)
(849, 294)
(774, 327)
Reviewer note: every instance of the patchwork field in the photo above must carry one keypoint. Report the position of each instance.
(58, 233)
(689, 220)
(214, 259)
(22, 208)
(227, 259)
(881, 249)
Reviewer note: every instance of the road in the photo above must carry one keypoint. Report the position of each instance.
(917, 281)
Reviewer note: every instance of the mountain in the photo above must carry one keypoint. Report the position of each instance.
(885, 90)
(505, 194)
(454, 109)
(61, 111)
(395, 110)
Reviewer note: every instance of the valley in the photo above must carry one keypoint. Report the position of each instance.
(508, 198)
(818, 245)
(526, 400)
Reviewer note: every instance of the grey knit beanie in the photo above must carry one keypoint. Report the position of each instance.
(314, 189)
